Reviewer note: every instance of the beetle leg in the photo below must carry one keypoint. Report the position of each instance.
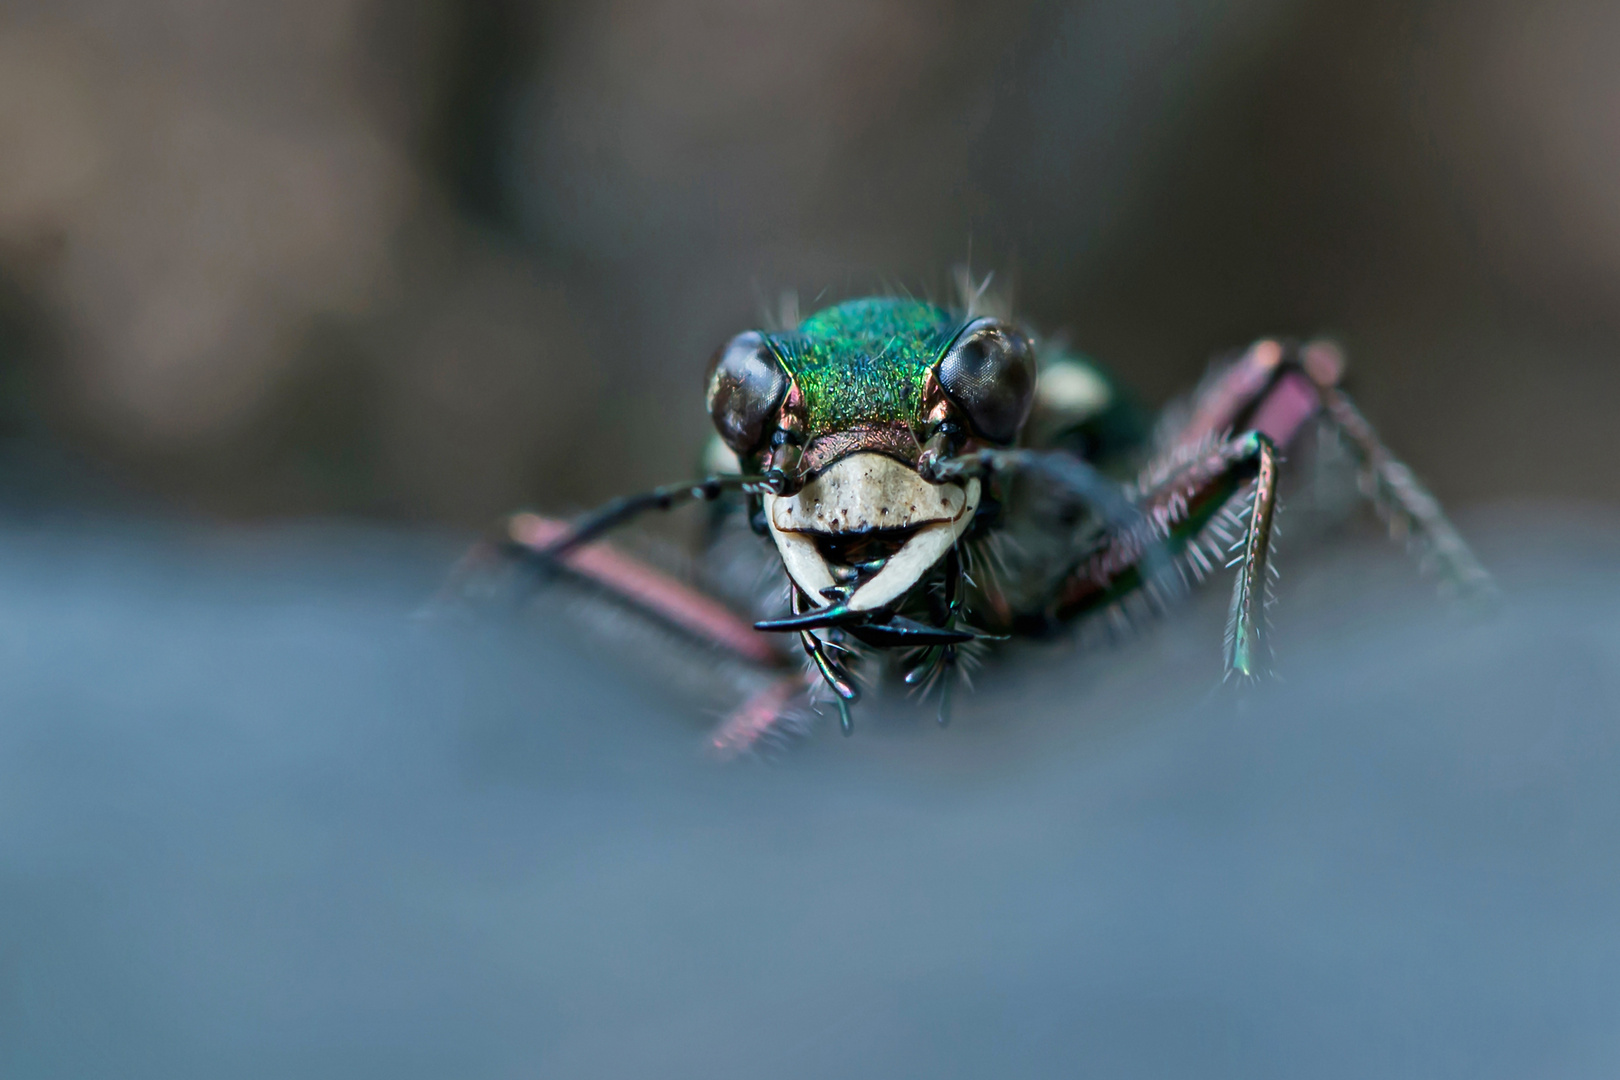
(1277, 389)
(1404, 502)
(549, 546)
(1252, 585)
(1065, 469)
(1229, 392)
(666, 598)
(768, 715)
(613, 514)
(1218, 504)
(1082, 481)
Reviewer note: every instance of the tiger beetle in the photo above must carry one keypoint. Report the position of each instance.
(932, 480)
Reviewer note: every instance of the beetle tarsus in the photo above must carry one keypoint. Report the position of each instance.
(1246, 623)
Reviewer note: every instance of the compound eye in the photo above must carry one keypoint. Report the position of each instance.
(989, 373)
(746, 387)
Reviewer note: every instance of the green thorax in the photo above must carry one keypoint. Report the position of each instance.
(865, 361)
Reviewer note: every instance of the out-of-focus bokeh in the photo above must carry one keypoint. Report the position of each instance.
(434, 260)
(431, 260)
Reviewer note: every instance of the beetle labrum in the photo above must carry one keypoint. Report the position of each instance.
(934, 479)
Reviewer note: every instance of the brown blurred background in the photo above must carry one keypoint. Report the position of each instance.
(434, 260)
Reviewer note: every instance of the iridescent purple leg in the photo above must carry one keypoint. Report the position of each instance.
(1405, 503)
(766, 714)
(1215, 508)
(1278, 390)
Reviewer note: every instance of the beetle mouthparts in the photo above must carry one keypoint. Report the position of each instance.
(875, 628)
(866, 493)
(835, 615)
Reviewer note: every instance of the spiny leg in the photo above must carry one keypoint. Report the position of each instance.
(1270, 388)
(1251, 589)
(1074, 476)
(1273, 387)
(645, 587)
(550, 546)
(1071, 474)
(1194, 515)
(765, 716)
(544, 545)
(1403, 501)
(768, 714)
(1276, 389)
(547, 546)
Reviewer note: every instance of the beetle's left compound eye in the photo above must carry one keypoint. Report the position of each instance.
(989, 373)
(746, 386)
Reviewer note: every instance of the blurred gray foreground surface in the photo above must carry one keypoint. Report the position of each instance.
(255, 821)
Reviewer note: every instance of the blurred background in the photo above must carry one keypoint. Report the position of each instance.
(297, 296)
(431, 261)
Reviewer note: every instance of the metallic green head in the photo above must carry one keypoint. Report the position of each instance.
(878, 374)
(837, 414)
(864, 362)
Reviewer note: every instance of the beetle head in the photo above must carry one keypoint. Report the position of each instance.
(840, 414)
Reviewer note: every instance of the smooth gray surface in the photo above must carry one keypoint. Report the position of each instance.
(257, 822)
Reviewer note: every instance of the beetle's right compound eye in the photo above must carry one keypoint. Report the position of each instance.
(989, 372)
(746, 387)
